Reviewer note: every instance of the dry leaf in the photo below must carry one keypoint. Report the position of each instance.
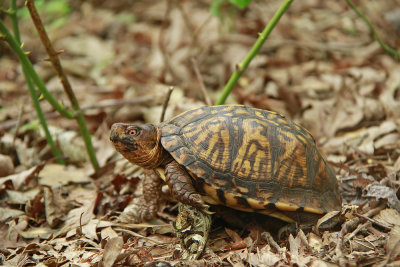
(393, 243)
(6, 165)
(22, 178)
(55, 175)
(7, 213)
(383, 192)
(388, 217)
(112, 250)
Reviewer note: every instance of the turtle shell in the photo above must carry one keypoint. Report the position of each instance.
(252, 160)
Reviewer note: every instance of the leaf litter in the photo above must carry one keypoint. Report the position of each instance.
(320, 67)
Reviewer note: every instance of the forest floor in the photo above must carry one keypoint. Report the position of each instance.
(321, 67)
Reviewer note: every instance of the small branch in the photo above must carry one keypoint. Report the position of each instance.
(7, 11)
(14, 20)
(385, 47)
(373, 221)
(52, 53)
(28, 70)
(203, 89)
(32, 73)
(165, 104)
(163, 50)
(242, 66)
(64, 81)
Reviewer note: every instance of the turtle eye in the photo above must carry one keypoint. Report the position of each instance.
(133, 132)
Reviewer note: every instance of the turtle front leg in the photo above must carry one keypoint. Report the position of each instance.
(181, 186)
(151, 195)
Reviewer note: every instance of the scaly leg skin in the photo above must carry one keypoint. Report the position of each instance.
(181, 186)
(192, 228)
(151, 195)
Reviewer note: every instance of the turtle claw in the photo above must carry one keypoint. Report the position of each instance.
(147, 212)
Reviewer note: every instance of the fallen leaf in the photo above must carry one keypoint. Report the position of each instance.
(18, 197)
(55, 175)
(22, 178)
(112, 250)
(40, 232)
(264, 257)
(7, 213)
(108, 233)
(6, 165)
(393, 244)
(53, 216)
(388, 217)
(383, 192)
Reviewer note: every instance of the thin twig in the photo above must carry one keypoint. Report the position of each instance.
(138, 235)
(55, 61)
(18, 125)
(189, 25)
(385, 47)
(64, 81)
(373, 221)
(16, 47)
(242, 66)
(165, 104)
(203, 89)
(163, 50)
(30, 77)
(103, 104)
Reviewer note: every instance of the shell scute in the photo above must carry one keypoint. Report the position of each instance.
(250, 159)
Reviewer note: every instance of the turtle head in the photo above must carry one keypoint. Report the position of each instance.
(140, 144)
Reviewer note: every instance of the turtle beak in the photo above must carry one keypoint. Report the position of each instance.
(115, 130)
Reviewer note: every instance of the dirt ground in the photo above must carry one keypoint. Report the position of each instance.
(321, 67)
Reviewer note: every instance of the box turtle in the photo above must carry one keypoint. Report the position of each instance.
(244, 158)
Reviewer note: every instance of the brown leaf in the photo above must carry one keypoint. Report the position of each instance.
(264, 257)
(388, 217)
(6, 165)
(112, 250)
(393, 243)
(233, 235)
(53, 215)
(55, 175)
(144, 255)
(383, 192)
(237, 241)
(7, 213)
(22, 178)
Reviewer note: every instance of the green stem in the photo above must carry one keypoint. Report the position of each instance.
(387, 48)
(6, 11)
(241, 67)
(14, 20)
(55, 61)
(32, 73)
(87, 138)
(54, 149)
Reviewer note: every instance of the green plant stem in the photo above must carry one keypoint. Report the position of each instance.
(32, 73)
(87, 139)
(385, 47)
(241, 67)
(64, 81)
(14, 20)
(54, 149)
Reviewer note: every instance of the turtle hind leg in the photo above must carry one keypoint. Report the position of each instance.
(180, 183)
